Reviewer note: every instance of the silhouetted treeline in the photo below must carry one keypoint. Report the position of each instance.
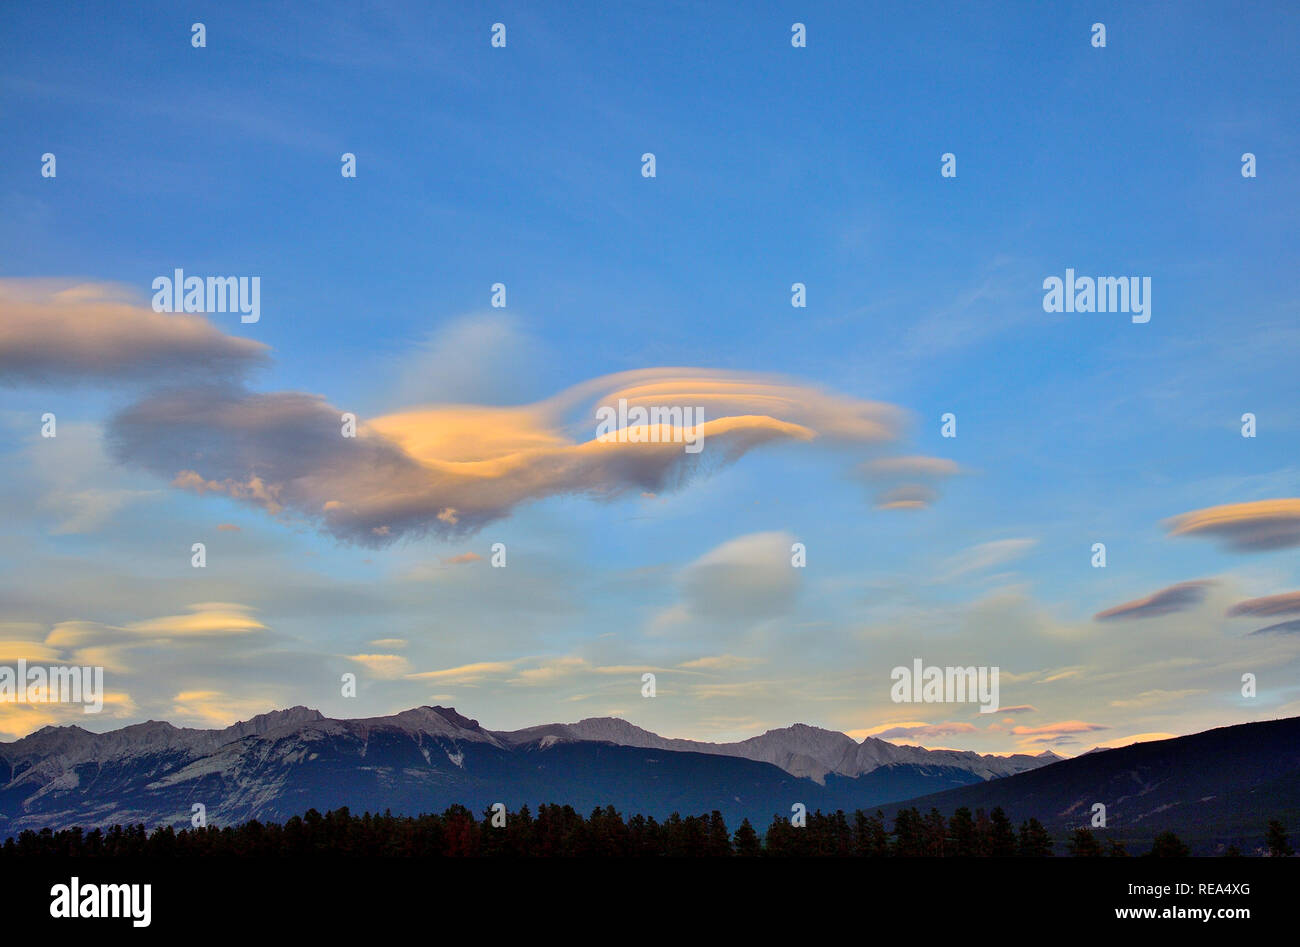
(561, 831)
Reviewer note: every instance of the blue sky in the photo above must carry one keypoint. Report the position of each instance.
(774, 165)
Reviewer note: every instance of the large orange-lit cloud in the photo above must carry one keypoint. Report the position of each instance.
(443, 468)
(450, 469)
(56, 332)
(1246, 527)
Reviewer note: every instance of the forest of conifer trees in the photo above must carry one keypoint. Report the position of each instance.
(561, 831)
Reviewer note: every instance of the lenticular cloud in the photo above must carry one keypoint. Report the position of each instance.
(451, 469)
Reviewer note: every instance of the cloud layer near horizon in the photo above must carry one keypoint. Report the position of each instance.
(446, 468)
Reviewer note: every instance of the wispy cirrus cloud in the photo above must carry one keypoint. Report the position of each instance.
(985, 556)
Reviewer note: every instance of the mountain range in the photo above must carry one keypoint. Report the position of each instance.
(279, 764)
(1213, 789)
